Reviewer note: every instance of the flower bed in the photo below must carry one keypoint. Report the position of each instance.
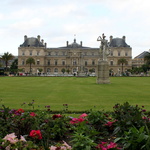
(127, 127)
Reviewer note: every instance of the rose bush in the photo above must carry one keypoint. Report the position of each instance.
(43, 130)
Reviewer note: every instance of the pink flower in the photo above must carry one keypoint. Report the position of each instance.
(36, 134)
(12, 138)
(64, 146)
(83, 115)
(107, 146)
(56, 116)
(111, 145)
(76, 120)
(32, 114)
(109, 124)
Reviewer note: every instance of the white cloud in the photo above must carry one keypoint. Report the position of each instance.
(57, 21)
(27, 25)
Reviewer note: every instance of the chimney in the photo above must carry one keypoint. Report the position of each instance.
(38, 37)
(45, 45)
(81, 43)
(42, 41)
(67, 43)
(25, 37)
(110, 38)
(124, 38)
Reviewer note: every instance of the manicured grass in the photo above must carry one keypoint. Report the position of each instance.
(78, 93)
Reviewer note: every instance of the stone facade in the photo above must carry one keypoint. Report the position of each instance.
(73, 57)
(138, 61)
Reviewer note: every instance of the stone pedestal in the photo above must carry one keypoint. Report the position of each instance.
(103, 73)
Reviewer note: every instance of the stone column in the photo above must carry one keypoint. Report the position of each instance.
(103, 72)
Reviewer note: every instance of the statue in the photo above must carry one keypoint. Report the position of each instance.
(103, 67)
(104, 51)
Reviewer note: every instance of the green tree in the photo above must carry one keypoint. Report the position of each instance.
(122, 61)
(63, 70)
(14, 66)
(30, 61)
(6, 57)
(68, 71)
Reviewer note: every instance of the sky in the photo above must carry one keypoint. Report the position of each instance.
(58, 21)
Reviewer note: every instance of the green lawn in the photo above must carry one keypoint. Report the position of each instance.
(78, 93)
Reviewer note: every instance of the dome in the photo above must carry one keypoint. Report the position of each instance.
(118, 42)
(75, 45)
(32, 42)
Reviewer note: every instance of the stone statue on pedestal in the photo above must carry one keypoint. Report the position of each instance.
(103, 67)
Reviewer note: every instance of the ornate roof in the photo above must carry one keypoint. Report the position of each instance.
(74, 45)
(118, 42)
(142, 55)
(32, 42)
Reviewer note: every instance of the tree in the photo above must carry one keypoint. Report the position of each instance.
(14, 66)
(68, 71)
(122, 61)
(6, 57)
(63, 70)
(30, 61)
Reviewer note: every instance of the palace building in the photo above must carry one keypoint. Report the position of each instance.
(73, 58)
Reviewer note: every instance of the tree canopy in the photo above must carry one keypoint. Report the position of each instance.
(122, 61)
(6, 57)
(30, 61)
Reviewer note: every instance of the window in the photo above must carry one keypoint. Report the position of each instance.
(118, 53)
(56, 53)
(86, 63)
(38, 62)
(55, 62)
(126, 53)
(93, 62)
(30, 53)
(63, 62)
(111, 53)
(111, 62)
(85, 53)
(48, 62)
(92, 54)
(38, 53)
(22, 62)
(74, 62)
(22, 53)
(49, 53)
(63, 53)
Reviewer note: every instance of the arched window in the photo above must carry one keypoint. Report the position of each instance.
(55, 70)
(48, 70)
(74, 70)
